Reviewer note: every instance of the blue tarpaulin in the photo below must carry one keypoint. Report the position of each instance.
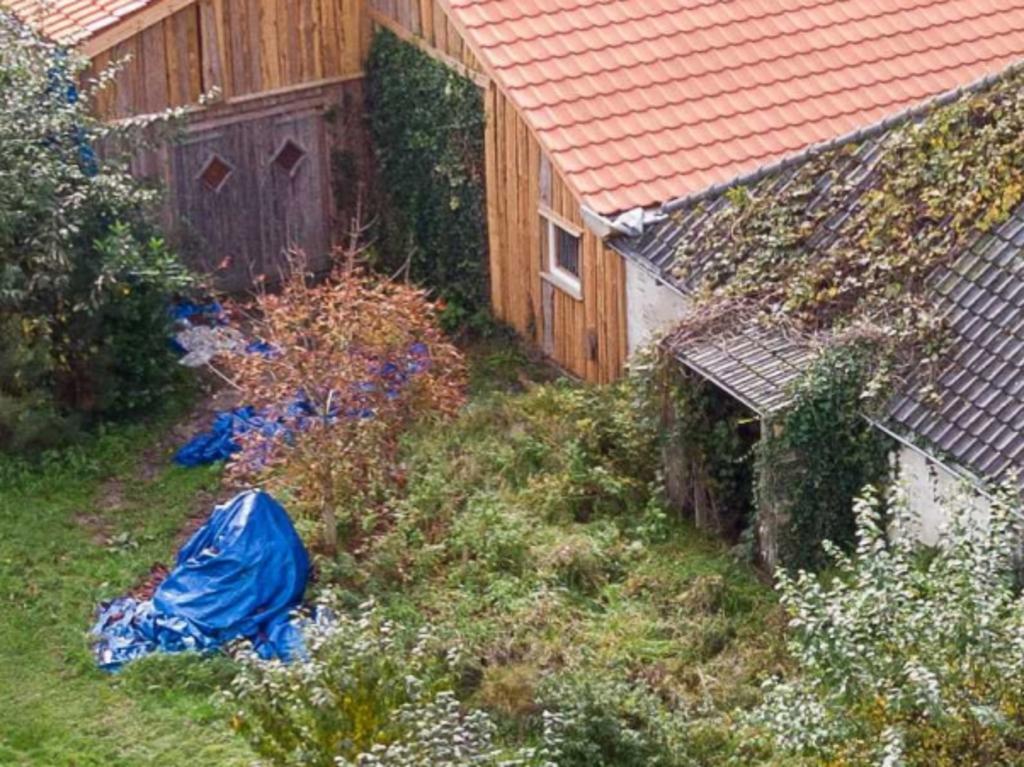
(219, 442)
(242, 574)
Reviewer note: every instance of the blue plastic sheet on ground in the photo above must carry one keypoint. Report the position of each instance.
(188, 310)
(242, 574)
(220, 441)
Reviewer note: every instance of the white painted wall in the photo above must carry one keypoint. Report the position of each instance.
(930, 487)
(651, 306)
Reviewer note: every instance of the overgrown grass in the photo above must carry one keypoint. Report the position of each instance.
(531, 531)
(85, 526)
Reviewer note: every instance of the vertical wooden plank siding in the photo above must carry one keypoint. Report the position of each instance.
(586, 336)
(247, 47)
(242, 47)
(241, 230)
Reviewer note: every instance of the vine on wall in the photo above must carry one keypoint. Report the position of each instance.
(815, 457)
(934, 186)
(427, 125)
(708, 449)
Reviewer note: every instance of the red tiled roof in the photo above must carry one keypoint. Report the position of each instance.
(641, 101)
(73, 20)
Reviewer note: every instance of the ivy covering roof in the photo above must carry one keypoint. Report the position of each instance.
(957, 256)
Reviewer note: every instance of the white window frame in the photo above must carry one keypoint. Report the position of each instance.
(562, 279)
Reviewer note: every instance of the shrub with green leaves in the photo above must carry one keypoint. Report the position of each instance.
(906, 657)
(606, 722)
(340, 701)
(84, 275)
(366, 696)
(427, 124)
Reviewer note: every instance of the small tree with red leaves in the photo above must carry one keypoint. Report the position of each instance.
(349, 364)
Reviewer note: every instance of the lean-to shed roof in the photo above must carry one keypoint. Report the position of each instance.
(971, 413)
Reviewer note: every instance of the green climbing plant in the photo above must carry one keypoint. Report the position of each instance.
(818, 454)
(910, 201)
(708, 444)
(427, 124)
(938, 183)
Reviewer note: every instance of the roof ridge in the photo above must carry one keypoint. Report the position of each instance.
(860, 134)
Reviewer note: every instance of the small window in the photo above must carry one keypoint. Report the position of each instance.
(215, 173)
(562, 260)
(567, 251)
(289, 156)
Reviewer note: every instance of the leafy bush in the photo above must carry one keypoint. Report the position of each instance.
(439, 734)
(605, 722)
(367, 359)
(427, 124)
(84, 276)
(906, 657)
(340, 702)
(365, 696)
(817, 454)
(608, 454)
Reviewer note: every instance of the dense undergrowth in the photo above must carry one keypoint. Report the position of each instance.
(530, 539)
(527, 536)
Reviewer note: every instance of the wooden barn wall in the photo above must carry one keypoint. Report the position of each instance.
(160, 67)
(241, 47)
(270, 44)
(244, 230)
(428, 23)
(587, 336)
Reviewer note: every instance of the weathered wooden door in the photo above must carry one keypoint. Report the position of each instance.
(248, 190)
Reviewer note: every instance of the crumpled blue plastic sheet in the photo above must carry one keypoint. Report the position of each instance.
(188, 310)
(220, 442)
(242, 574)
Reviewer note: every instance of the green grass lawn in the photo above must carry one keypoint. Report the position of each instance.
(86, 528)
(523, 532)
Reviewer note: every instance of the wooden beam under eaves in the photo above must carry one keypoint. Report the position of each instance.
(130, 26)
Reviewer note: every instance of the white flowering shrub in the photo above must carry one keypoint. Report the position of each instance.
(339, 700)
(439, 733)
(906, 657)
(366, 697)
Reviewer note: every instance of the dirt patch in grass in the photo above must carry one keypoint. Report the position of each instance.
(97, 526)
(111, 495)
(213, 398)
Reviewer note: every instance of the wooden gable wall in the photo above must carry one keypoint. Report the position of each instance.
(240, 47)
(586, 335)
(288, 72)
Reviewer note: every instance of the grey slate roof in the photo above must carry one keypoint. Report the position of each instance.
(659, 243)
(974, 417)
(979, 419)
(754, 364)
